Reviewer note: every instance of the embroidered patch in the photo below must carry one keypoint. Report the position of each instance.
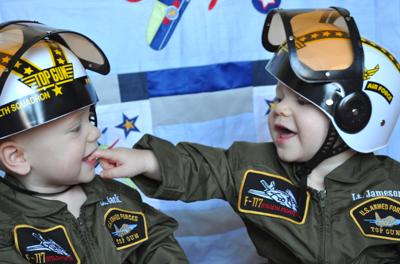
(271, 195)
(127, 228)
(109, 200)
(51, 245)
(378, 217)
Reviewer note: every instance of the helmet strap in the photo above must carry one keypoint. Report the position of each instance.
(332, 146)
(327, 150)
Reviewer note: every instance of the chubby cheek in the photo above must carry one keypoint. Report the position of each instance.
(71, 159)
(270, 122)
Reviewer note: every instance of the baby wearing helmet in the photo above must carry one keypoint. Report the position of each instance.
(53, 207)
(317, 193)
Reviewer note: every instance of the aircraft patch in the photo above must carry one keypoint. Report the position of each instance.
(127, 228)
(378, 217)
(271, 195)
(45, 245)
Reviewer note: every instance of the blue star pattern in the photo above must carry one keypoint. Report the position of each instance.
(270, 104)
(128, 125)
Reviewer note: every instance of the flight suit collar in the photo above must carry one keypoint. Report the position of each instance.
(354, 169)
(95, 191)
(351, 171)
(33, 206)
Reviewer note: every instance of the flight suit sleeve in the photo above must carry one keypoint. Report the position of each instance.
(8, 252)
(189, 172)
(9, 255)
(161, 245)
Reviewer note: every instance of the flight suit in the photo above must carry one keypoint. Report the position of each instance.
(356, 219)
(114, 226)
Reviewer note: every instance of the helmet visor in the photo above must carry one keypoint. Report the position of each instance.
(18, 36)
(322, 44)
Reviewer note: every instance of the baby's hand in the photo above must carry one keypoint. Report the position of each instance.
(126, 162)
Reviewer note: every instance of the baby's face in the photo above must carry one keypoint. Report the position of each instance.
(58, 151)
(297, 127)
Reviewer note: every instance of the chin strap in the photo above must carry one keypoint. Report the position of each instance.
(26, 191)
(327, 150)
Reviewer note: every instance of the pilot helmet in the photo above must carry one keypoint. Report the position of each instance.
(43, 74)
(320, 55)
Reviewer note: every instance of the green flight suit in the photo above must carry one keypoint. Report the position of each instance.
(114, 227)
(355, 220)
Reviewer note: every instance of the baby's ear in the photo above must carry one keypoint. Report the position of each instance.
(13, 158)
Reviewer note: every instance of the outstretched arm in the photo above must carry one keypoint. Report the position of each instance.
(126, 162)
(186, 171)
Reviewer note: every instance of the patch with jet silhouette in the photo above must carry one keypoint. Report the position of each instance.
(271, 195)
(45, 245)
(127, 228)
(378, 217)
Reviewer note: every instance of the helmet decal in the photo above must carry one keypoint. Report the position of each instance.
(382, 50)
(301, 41)
(41, 79)
(380, 89)
(61, 72)
(34, 95)
(43, 74)
(368, 73)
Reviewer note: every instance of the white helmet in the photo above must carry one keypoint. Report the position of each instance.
(321, 57)
(43, 75)
(382, 85)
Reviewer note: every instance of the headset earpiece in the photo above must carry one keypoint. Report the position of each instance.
(353, 112)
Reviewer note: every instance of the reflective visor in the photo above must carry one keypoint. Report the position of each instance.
(43, 106)
(323, 45)
(18, 36)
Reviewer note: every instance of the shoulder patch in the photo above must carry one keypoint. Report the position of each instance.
(51, 245)
(127, 228)
(378, 217)
(271, 195)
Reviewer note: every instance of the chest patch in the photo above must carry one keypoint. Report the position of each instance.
(378, 217)
(127, 228)
(271, 195)
(45, 245)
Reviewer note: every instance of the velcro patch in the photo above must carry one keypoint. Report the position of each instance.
(127, 228)
(378, 217)
(271, 195)
(45, 245)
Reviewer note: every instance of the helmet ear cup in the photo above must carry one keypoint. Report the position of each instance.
(353, 112)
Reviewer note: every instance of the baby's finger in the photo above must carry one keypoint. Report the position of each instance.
(104, 154)
(112, 173)
(107, 164)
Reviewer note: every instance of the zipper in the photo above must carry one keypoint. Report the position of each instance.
(86, 239)
(322, 195)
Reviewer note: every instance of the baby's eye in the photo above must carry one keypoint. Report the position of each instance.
(276, 100)
(76, 129)
(302, 101)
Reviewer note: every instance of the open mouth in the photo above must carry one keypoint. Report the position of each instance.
(283, 130)
(283, 133)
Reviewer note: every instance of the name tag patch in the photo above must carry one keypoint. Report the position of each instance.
(271, 195)
(127, 228)
(378, 217)
(45, 245)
